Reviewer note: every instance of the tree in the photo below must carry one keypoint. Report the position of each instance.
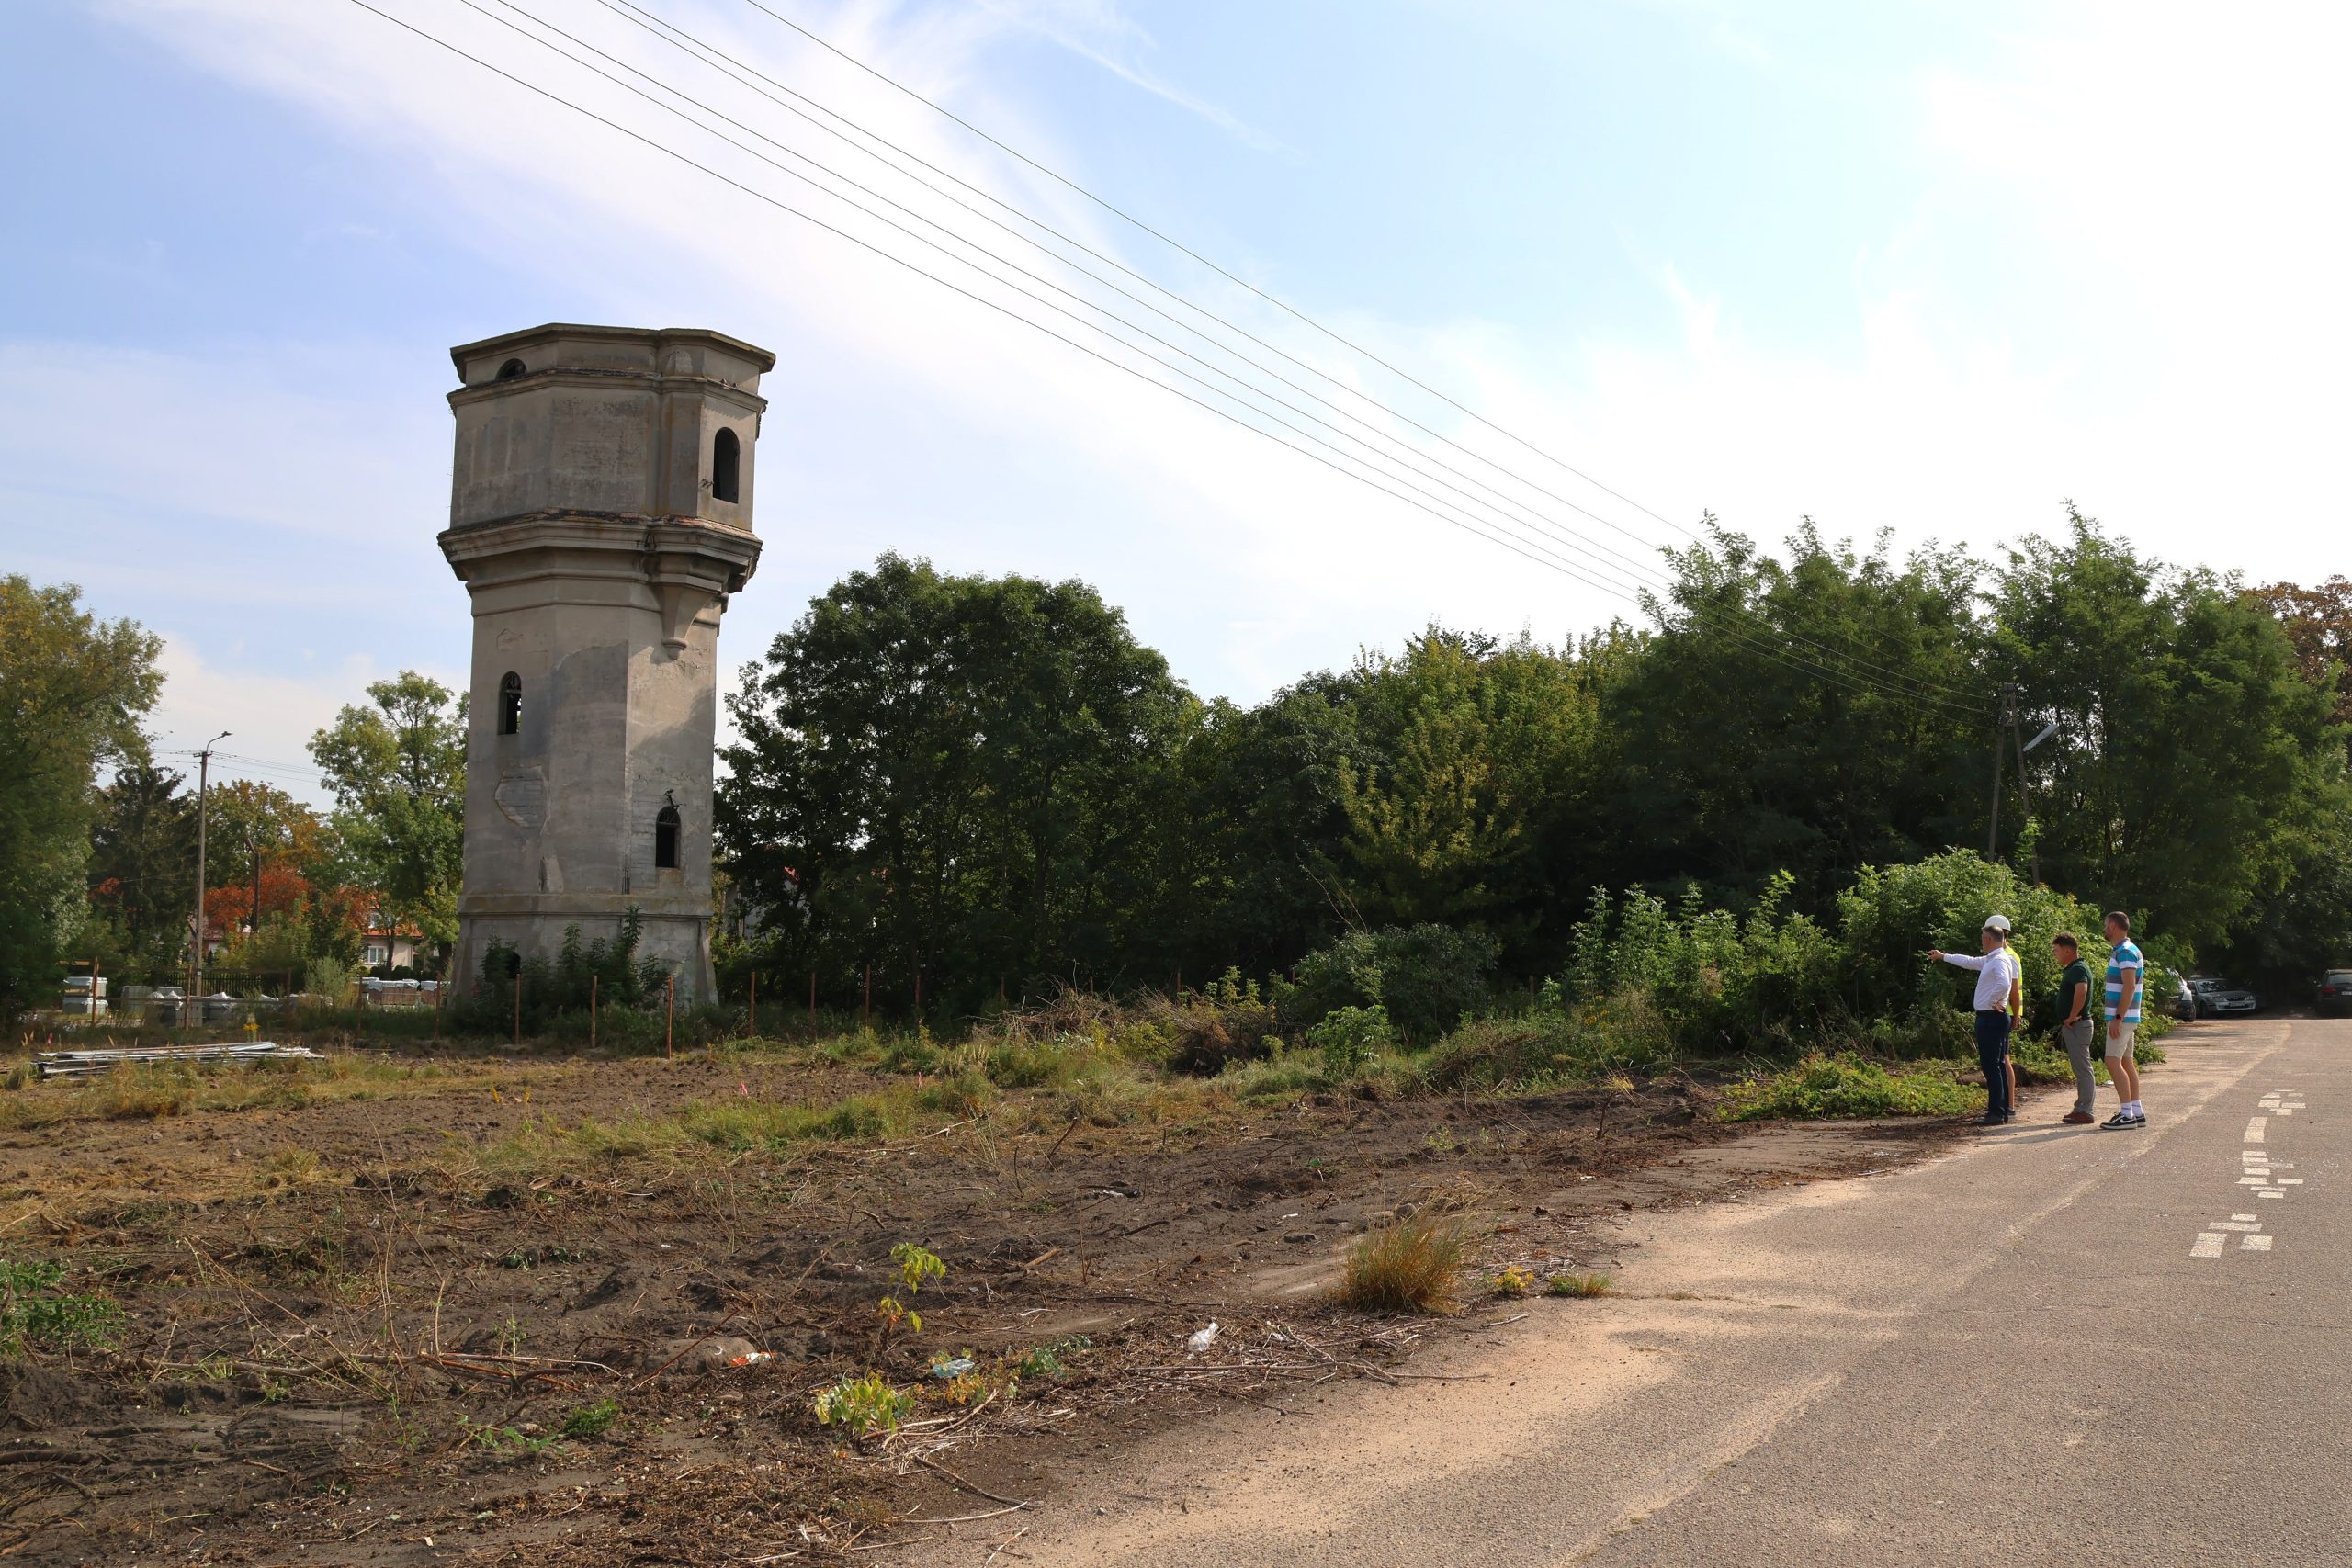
(2193, 763)
(955, 775)
(142, 866)
(262, 842)
(397, 768)
(72, 689)
(1250, 847)
(2318, 624)
(1473, 757)
(1813, 717)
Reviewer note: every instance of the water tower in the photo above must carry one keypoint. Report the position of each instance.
(600, 513)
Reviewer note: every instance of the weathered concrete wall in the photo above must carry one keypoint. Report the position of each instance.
(598, 560)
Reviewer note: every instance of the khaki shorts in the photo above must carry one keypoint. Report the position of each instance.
(2119, 1044)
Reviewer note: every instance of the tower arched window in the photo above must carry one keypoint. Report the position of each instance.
(725, 467)
(511, 368)
(665, 838)
(510, 705)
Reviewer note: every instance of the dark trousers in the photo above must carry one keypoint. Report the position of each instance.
(1993, 1055)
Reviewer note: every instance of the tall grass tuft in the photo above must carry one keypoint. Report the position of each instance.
(1412, 1266)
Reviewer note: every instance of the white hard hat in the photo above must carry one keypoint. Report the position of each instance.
(1997, 923)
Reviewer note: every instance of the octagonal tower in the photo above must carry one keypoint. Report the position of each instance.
(600, 513)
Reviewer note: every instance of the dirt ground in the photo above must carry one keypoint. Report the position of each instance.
(433, 1320)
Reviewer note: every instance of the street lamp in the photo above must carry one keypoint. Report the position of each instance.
(203, 779)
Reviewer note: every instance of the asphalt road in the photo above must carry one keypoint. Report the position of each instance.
(2056, 1346)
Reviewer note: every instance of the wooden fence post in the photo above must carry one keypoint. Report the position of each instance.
(752, 1025)
(592, 1011)
(670, 1017)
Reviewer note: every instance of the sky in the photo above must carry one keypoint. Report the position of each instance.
(1927, 269)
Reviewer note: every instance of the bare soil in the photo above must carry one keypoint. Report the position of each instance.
(356, 1328)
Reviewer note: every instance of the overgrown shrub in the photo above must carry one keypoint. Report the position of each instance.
(1892, 915)
(1555, 1042)
(1229, 1022)
(1429, 977)
(1771, 983)
(1722, 982)
(609, 973)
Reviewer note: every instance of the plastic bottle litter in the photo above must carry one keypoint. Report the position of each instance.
(1201, 1339)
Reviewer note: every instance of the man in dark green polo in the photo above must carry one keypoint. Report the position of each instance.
(2076, 1023)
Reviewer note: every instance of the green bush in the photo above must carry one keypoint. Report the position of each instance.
(1893, 915)
(1769, 982)
(1823, 1088)
(1430, 978)
(1349, 1038)
(1722, 982)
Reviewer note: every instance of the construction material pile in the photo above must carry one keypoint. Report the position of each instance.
(83, 1064)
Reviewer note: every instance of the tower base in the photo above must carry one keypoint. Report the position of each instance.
(679, 941)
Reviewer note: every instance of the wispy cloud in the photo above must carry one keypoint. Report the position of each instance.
(1100, 32)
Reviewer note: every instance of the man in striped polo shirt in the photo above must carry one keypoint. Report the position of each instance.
(2126, 974)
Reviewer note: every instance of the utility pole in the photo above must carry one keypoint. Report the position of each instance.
(1993, 833)
(203, 780)
(2025, 799)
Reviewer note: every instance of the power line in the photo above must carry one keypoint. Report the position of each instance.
(1530, 518)
(1547, 557)
(1641, 575)
(720, 61)
(1849, 678)
(1126, 217)
(651, 22)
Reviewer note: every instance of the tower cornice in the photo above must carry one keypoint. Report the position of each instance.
(596, 375)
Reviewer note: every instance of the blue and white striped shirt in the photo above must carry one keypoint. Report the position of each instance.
(2125, 957)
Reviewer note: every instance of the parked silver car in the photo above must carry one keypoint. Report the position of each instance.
(2217, 998)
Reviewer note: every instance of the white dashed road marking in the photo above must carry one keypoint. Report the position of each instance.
(2258, 1171)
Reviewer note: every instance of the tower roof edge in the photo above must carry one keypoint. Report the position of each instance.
(465, 356)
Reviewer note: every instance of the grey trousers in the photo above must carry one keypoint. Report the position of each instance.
(2078, 1039)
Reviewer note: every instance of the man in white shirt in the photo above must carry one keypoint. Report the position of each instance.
(2000, 1004)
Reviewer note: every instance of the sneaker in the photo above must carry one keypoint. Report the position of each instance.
(1992, 1119)
(2076, 1118)
(2120, 1122)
